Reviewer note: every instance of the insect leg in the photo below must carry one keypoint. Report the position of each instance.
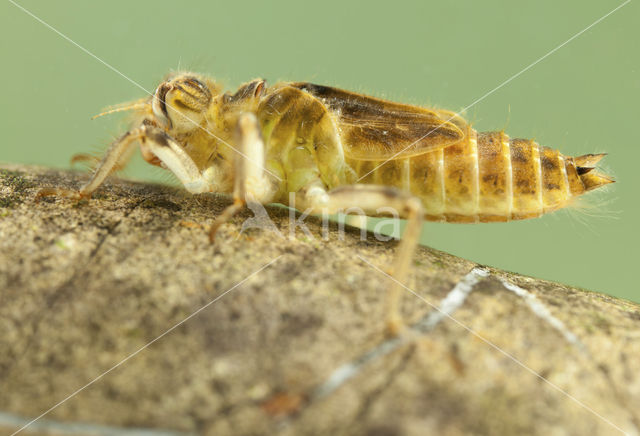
(175, 159)
(251, 183)
(370, 198)
(93, 161)
(118, 149)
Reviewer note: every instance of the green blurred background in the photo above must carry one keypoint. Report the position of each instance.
(581, 99)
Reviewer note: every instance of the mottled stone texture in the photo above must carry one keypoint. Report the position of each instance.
(84, 285)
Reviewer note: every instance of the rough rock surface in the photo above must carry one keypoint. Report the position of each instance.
(290, 340)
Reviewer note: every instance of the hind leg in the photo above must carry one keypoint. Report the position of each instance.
(371, 198)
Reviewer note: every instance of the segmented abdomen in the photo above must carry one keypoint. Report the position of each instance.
(488, 177)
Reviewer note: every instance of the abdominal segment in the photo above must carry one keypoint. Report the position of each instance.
(488, 177)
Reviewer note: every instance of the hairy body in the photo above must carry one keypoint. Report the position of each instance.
(325, 149)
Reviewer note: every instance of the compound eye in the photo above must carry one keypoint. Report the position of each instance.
(181, 103)
(189, 93)
(159, 105)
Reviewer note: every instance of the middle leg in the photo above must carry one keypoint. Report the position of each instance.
(251, 182)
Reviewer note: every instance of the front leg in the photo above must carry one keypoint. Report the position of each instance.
(175, 159)
(117, 152)
(251, 181)
(370, 198)
(160, 144)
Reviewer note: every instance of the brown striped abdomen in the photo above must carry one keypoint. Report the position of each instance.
(488, 177)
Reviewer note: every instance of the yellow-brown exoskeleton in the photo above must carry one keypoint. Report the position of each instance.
(334, 150)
